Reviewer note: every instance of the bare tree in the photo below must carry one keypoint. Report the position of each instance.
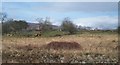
(47, 25)
(3, 16)
(40, 21)
(44, 25)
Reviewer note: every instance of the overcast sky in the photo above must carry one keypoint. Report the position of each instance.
(94, 14)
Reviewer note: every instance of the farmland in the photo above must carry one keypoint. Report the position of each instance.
(96, 48)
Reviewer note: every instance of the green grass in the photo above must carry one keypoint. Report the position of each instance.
(52, 33)
(56, 32)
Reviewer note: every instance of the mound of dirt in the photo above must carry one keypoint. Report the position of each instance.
(63, 45)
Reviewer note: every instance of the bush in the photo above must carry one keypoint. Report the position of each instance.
(13, 26)
(68, 26)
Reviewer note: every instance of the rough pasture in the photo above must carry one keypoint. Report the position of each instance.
(95, 48)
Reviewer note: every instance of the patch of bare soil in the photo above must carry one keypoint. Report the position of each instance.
(63, 45)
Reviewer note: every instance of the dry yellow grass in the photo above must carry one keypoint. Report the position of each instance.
(101, 43)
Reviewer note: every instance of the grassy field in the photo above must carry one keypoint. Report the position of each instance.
(96, 47)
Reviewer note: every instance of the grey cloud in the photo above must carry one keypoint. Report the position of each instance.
(81, 6)
(102, 22)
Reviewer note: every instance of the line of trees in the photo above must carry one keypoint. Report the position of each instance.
(11, 25)
(66, 26)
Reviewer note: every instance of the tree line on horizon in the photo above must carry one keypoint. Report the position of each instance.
(12, 25)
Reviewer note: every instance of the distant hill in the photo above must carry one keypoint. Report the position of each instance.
(35, 26)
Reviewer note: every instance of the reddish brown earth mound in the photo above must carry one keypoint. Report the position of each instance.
(63, 45)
